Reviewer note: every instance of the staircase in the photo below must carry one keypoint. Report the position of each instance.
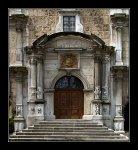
(71, 130)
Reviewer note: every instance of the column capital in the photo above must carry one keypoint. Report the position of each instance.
(33, 59)
(97, 58)
(118, 20)
(20, 21)
(40, 58)
(105, 58)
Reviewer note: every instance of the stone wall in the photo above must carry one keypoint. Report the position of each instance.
(43, 21)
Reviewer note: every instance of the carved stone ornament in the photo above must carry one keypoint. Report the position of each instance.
(97, 92)
(97, 109)
(18, 111)
(104, 92)
(39, 109)
(68, 61)
(106, 59)
(33, 60)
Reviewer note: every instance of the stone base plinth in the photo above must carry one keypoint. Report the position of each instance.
(119, 124)
(50, 117)
(18, 123)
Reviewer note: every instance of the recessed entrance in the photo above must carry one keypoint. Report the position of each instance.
(68, 98)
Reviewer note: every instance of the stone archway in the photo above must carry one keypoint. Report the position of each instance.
(69, 98)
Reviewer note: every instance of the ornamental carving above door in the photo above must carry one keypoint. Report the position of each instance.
(68, 61)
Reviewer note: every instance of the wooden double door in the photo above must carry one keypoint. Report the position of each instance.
(68, 103)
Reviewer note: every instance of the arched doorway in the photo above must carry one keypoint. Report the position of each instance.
(68, 98)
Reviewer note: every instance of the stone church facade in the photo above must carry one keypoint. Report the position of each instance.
(68, 64)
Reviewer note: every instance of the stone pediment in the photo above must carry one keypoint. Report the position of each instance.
(69, 40)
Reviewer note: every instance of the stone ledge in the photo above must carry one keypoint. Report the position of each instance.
(16, 69)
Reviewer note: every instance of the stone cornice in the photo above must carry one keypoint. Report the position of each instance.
(108, 49)
(18, 69)
(119, 71)
(104, 50)
(119, 19)
(31, 49)
(120, 68)
(20, 20)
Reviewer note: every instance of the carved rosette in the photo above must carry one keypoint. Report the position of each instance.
(97, 93)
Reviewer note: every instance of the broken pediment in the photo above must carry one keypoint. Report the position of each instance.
(69, 40)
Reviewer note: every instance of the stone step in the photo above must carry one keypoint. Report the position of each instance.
(65, 130)
(68, 130)
(65, 125)
(69, 140)
(67, 122)
(67, 133)
(70, 136)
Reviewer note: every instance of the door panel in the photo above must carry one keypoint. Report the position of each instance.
(68, 103)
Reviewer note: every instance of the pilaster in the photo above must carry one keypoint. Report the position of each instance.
(118, 72)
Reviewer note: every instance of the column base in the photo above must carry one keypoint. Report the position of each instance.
(95, 118)
(30, 120)
(87, 117)
(50, 117)
(119, 63)
(39, 118)
(119, 124)
(18, 124)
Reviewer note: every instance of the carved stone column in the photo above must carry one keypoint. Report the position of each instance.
(119, 46)
(32, 90)
(19, 46)
(118, 21)
(118, 120)
(20, 21)
(33, 77)
(105, 88)
(97, 103)
(19, 119)
(40, 78)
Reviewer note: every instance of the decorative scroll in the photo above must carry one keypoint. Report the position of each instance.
(68, 61)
